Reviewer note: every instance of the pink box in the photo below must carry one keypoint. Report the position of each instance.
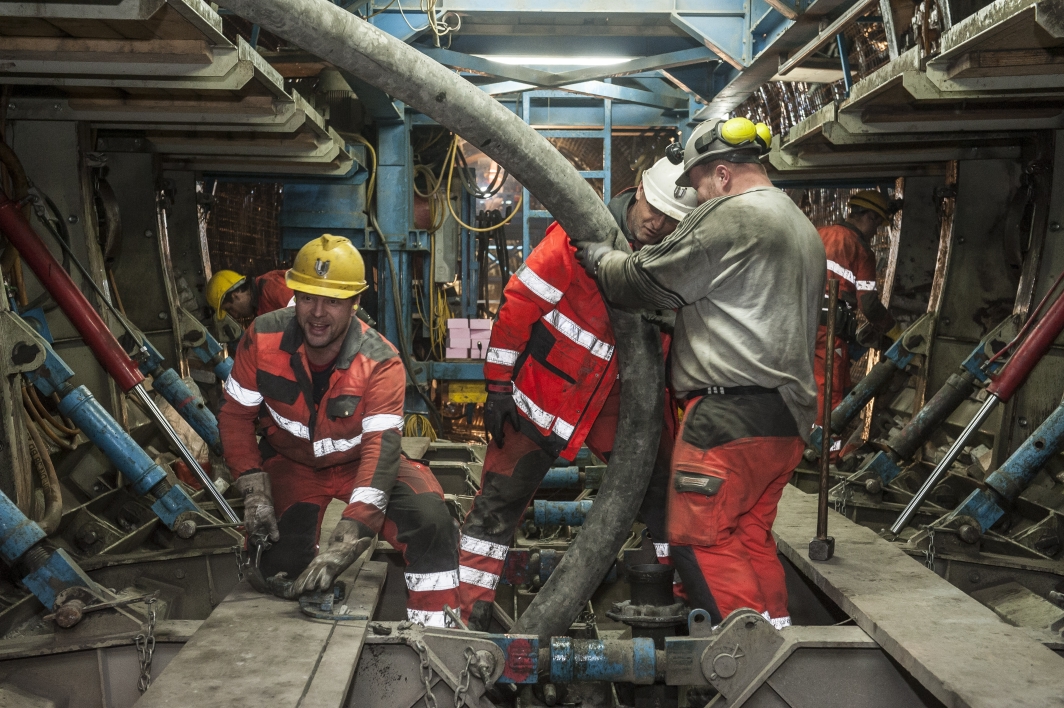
(459, 340)
(478, 349)
(458, 323)
(475, 325)
(456, 353)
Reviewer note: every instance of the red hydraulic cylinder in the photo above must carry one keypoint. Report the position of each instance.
(20, 234)
(1030, 352)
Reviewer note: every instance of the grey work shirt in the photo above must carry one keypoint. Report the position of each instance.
(746, 273)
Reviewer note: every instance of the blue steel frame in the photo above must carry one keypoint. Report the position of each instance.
(605, 134)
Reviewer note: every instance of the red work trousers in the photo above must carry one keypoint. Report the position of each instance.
(512, 474)
(416, 523)
(722, 503)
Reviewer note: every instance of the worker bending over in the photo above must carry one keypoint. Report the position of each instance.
(552, 383)
(328, 392)
(852, 263)
(228, 292)
(746, 271)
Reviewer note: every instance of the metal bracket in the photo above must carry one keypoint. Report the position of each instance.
(23, 351)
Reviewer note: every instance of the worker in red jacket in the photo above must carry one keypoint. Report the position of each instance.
(552, 384)
(228, 292)
(852, 263)
(327, 392)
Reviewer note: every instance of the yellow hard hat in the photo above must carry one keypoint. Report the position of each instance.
(872, 200)
(330, 266)
(221, 284)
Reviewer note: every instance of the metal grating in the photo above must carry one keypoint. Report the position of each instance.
(244, 228)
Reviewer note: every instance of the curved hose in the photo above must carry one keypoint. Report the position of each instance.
(53, 496)
(399, 70)
(28, 405)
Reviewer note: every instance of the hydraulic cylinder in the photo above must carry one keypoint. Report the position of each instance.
(986, 506)
(552, 513)
(45, 572)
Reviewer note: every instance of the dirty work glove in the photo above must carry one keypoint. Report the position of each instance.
(589, 253)
(345, 546)
(500, 408)
(259, 518)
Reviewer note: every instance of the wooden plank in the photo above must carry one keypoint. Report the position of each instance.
(336, 670)
(957, 648)
(258, 650)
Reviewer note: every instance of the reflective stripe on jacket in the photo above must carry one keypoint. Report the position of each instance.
(553, 340)
(850, 261)
(358, 421)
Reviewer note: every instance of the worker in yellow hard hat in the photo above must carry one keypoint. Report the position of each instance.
(229, 292)
(327, 390)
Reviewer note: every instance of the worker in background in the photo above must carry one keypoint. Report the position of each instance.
(330, 391)
(852, 263)
(552, 384)
(228, 292)
(746, 272)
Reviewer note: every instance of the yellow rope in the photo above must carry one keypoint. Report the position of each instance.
(418, 426)
(449, 167)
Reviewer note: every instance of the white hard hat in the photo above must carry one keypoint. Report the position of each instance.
(659, 186)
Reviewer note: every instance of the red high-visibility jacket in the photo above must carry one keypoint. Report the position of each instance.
(358, 421)
(850, 261)
(554, 341)
(271, 293)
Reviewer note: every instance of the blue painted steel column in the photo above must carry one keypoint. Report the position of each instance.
(607, 148)
(395, 214)
(526, 242)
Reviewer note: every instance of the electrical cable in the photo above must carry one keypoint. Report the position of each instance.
(53, 494)
(403, 350)
(450, 175)
(44, 426)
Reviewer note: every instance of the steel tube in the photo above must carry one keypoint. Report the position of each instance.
(825, 414)
(940, 469)
(356, 46)
(193, 465)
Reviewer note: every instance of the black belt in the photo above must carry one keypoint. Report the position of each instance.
(729, 391)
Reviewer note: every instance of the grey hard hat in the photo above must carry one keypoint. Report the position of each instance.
(734, 140)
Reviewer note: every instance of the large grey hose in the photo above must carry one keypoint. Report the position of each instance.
(402, 72)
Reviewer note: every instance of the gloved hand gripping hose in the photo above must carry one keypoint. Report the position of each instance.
(356, 46)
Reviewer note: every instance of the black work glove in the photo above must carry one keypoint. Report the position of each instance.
(260, 521)
(589, 253)
(500, 408)
(345, 546)
(664, 320)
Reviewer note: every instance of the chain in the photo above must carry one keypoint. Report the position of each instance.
(242, 562)
(842, 498)
(463, 679)
(146, 648)
(426, 673)
(930, 552)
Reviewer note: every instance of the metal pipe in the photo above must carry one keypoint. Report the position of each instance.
(356, 46)
(186, 455)
(825, 443)
(940, 469)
